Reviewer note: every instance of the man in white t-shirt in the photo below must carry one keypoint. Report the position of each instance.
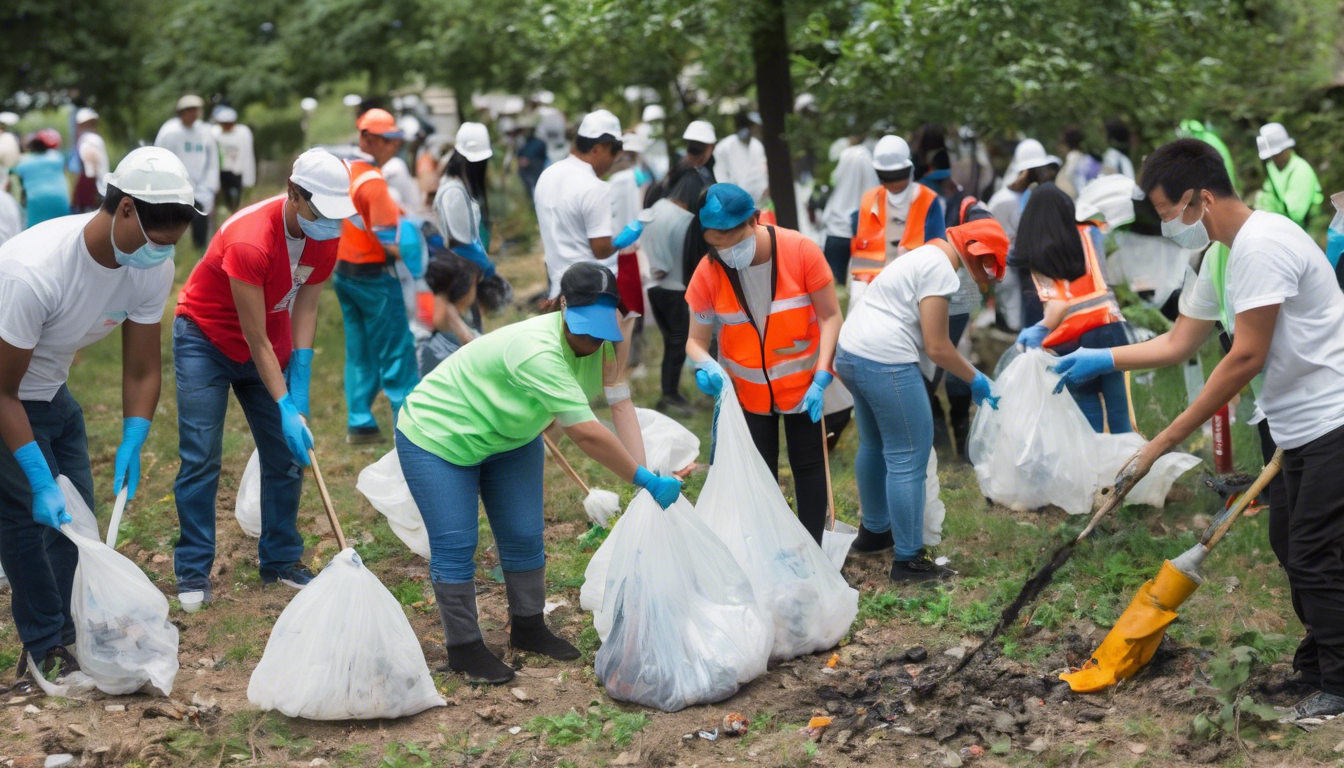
(1276, 294)
(191, 139)
(740, 159)
(65, 284)
(574, 203)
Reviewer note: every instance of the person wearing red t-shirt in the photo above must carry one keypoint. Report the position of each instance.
(245, 321)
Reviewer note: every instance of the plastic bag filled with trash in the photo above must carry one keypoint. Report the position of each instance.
(679, 622)
(343, 650)
(384, 485)
(247, 507)
(668, 446)
(809, 603)
(123, 638)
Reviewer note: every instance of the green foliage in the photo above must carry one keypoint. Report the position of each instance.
(1235, 710)
(573, 727)
(405, 756)
(408, 592)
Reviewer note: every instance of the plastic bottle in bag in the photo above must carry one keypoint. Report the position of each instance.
(384, 485)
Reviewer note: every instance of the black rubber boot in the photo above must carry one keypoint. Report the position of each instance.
(921, 568)
(869, 543)
(527, 605)
(466, 650)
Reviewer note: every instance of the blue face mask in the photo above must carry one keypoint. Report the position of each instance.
(147, 256)
(322, 229)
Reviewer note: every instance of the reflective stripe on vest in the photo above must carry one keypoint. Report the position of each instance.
(1085, 311)
(868, 249)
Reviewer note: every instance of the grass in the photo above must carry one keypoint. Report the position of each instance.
(574, 727)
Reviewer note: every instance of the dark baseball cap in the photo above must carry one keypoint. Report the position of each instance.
(591, 301)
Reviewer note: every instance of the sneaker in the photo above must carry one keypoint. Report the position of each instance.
(921, 568)
(364, 435)
(1318, 706)
(869, 543)
(193, 600)
(296, 575)
(58, 660)
(674, 406)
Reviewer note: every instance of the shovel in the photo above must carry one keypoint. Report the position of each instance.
(599, 504)
(326, 501)
(838, 537)
(1133, 640)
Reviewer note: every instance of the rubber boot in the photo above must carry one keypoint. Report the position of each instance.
(959, 408)
(527, 606)
(466, 650)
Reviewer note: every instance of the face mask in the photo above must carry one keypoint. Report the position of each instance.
(322, 229)
(740, 255)
(744, 135)
(149, 255)
(1191, 237)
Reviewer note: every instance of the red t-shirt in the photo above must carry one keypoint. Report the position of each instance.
(251, 247)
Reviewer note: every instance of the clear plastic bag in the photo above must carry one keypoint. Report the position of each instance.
(668, 446)
(680, 623)
(1115, 451)
(343, 650)
(384, 485)
(81, 517)
(247, 507)
(934, 509)
(808, 600)
(123, 638)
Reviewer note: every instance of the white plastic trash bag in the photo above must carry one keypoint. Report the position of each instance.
(81, 517)
(802, 590)
(384, 485)
(836, 542)
(934, 510)
(343, 650)
(1115, 451)
(247, 507)
(668, 446)
(679, 620)
(123, 639)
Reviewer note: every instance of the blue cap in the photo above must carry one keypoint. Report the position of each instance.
(726, 207)
(601, 320)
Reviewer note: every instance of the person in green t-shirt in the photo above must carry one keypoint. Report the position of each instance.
(471, 430)
(1291, 186)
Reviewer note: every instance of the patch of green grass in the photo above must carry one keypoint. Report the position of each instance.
(408, 592)
(405, 755)
(9, 657)
(574, 727)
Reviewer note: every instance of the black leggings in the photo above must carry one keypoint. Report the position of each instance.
(674, 321)
(805, 459)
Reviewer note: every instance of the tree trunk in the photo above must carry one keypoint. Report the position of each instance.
(774, 92)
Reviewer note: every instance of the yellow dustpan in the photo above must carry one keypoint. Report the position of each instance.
(1133, 640)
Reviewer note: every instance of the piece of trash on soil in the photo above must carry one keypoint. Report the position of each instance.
(515, 730)
(520, 694)
(834, 661)
(912, 670)
(1232, 582)
(735, 724)
(709, 735)
(940, 561)
(820, 721)
(972, 752)
(550, 607)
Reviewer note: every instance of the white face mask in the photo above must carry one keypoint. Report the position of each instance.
(740, 255)
(1191, 237)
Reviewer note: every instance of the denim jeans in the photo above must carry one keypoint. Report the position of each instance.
(891, 407)
(449, 497)
(204, 377)
(379, 347)
(1109, 387)
(836, 250)
(40, 561)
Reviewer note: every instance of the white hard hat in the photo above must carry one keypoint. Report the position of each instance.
(634, 142)
(1029, 154)
(600, 123)
(701, 131)
(153, 175)
(8, 118)
(308, 104)
(1108, 199)
(190, 101)
(1272, 140)
(653, 112)
(84, 115)
(473, 142)
(892, 153)
(544, 97)
(327, 177)
(223, 114)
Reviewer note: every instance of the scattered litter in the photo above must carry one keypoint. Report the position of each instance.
(972, 752)
(820, 721)
(62, 760)
(1231, 583)
(115, 708)
(1136, 747)
(32, 710)
(735, 724)
(203, 702)
(834, 661)
(551, 606)
(520, 694)
(709, 735)
(912, 670)
(515, 730)
(942, 560)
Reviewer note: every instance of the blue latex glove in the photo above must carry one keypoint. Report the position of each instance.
(297, 377)
(1032, 336)
(48, 501)
(629, 235)
(665, 490)
(134, 430)
(816, 394)
(297, 436)
(709, 376)
(1077, 367)
(983, 391)
(387, 235)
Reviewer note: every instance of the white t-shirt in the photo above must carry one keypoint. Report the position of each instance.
(11, 217)
(1274, 262)
(743, 164)
(885, 326)
(853, 176)
(626, 201)
(1006, 208)
(55, 299)
(458, 214)
(93, 156)
(573, 207)
(196, 148)
(404, 188)
(236, 147)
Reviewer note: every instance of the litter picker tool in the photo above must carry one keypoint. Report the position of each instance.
(326, 501)
(117, 509)
(599, 504)
(838, 537)
(1133, 640)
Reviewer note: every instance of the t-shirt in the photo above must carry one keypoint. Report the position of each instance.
(1006, 208)
(459, 214)
(967, 299)
(11, 217)
(664, 243)
(853, 176)
(196, 148)
(573, 207)
(403, 187)
(374, 210)
(743, 164)
(236, 148)
(755, 280)
(500, 391)
(815, 272)
(92, 152)
(1273, 261)
(885, 326)
(252, 247)
(55, 299)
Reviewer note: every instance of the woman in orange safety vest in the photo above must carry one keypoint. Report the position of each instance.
(774, 295)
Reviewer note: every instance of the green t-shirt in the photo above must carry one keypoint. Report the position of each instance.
(500, 391)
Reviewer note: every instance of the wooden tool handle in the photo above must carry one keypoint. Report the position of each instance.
(564, 463)
(1123, 485)
(326, 501)
(826, 461)
(1216, 533)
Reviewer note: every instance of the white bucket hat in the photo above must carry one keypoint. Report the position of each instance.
(1273, 139)
(1108, 199)
(1029, 154)
(701, 131)
(473, 142)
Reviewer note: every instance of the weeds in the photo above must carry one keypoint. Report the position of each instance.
(1236, 713)
(405, 755)
(573, 727)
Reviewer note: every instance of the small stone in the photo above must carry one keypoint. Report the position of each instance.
(951, 760)
(61, 760)
(115, 708)
(488, 714)
(1135, 747)
(520, 694)
(30, 709)
(829, 671)
(78, 730)
(159, 559)
(916, 654)
(317, 762)
(205, 661)
(957, 652)
(1339, 747)
(843, 738)
(1038, 746)
(203, 702)
(625, 758)
(515, 730)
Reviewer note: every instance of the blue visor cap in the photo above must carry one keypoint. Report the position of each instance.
(601, 320)
(726, 207)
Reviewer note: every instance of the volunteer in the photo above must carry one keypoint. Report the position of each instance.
(379, 347)
(94, 165)
(651, 127)
(453, 282)
(894, 218)
(42, 172)
(1080, 309)
(628, 182)
(695, 173)
(853, 176)
(9, 146)
(1116, 157)
(65, 284)
(186, 136)
(1277, 295)
(238, 167)
(904, 316)
(960, 306)
(245, 321)
(1291, 187)
(532, 158)
(1015, 296)
(401, 183)
(740, 159)
(471, 433)
(460, 202)
(772, 292)
(574, 203)
(1195, 129)
(665, 242)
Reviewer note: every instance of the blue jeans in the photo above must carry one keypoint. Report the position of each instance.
(1109, 387)
(895, 421)
(40, 561)
(379, 347)
(204, 377)
(449, 498)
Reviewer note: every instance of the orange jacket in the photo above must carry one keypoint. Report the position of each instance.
(376, 210)
(1090, 302)
(868, 249)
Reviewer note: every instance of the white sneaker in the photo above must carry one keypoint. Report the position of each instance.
(191, 601)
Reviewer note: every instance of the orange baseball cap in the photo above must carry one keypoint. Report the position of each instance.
(380, 122)
(982, 237)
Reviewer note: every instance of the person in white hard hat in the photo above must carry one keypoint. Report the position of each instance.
(1291, 186)
(695, 173)
(853, 175)
(246, 320)
(651, 128)
(574, 203)
(461, 203)
(629, 180)
(1031, 165)
(740, 159)
(93, 163)
(191, 139)
(65, 284)
(238, 167)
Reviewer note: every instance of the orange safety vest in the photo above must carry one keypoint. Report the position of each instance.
(774, 372)
(1090, 302)
(359, 245)
(868, 249)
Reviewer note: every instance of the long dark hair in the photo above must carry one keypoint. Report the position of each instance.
(1048, 235)
(473, 175)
